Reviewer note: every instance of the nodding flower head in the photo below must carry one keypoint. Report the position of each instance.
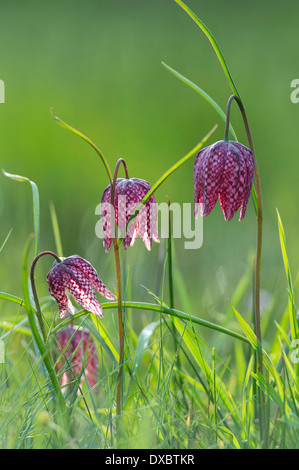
(223, 170)
(77, 356)
(80, 279)
(128, 194)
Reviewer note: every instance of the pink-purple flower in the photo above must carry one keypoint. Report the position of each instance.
(80, 279)
(223, 171)
(77, 356)
(129, 192)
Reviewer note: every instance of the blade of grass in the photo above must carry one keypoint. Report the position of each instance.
(5, 241)
(207, 97)
(78, 133)
(191, 341)
(15, 327)
(214, 43)
(142, 345)
(258, 348)
(36, 211)
(292, 309)
(142, 306)
(12, 298)
(179, 314)
(56, 230)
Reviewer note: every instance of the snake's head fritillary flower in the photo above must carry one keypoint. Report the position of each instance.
(78, 356)
(223, 171)
(80, 279)
(128, 194)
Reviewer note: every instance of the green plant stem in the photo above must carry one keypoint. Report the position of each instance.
(169, 246)
(227, 121)
(259, 220)
(119, 289)
(45, 355)
(171, 299)
(259, 215)
(153, 308)
(34, 292)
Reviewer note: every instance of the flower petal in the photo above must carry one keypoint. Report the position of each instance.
(81, 289)
(249, 163)
(229, 195)
(78, 348)
(199, 181)
(106, 218)
(213, 167)
(57, 290)
(89, 272)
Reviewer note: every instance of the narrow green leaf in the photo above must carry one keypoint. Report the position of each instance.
(231, 436)
(258, 347)
(214, 43)
(292, 309)
(5, 241)
(87, 139)
(56, 230)
(11, 298)
(16, 328)
(142, 345)
(207, 97)
(36, 209)
(268, 389)
(192, 342)
(178, 314)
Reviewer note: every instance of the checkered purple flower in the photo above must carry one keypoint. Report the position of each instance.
(78, 356)
(80, 279)
(223, 171)
(129, 192)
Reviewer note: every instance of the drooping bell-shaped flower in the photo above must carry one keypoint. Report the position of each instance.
(128, 194)
(78, 356)
(80, 279)
(223, 171)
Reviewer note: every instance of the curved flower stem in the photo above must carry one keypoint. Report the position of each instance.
(237, 97)
(227, 121)
(59, 403)
(119, 289)
(259, 218)
(259, 215)
(33, 287)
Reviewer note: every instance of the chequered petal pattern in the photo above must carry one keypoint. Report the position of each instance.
(223, 171)
(106, 218)
(89, 271)
(78, 348)
(79, 278)
(129, 192)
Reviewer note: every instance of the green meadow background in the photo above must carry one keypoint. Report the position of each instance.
(98, 64)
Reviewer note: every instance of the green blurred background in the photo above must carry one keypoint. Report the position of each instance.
(98, 64)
